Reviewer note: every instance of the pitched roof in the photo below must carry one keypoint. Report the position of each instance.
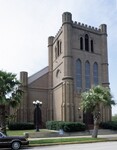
(37, 75)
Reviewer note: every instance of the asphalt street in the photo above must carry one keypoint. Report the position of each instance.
(89, 146)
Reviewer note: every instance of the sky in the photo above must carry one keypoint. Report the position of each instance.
(25, 26)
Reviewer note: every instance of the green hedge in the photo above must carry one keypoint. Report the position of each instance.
(66, 126)
(21, 126)
(74, 126)
(109, 125)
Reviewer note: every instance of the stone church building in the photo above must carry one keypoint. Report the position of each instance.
(77, 60)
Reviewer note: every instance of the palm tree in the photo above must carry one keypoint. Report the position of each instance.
(92, 101)
(10, 95)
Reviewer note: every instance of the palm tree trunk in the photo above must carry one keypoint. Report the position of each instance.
(3, 119)
(96, 116)
(96, 126)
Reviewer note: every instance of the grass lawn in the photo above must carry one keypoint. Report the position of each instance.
(66, 140)
(21, 132)
(17, 132)
(54, 140)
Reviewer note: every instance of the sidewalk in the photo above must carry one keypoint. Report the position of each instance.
(110, 135)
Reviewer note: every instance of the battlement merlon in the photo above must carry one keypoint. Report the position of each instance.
(67, 18)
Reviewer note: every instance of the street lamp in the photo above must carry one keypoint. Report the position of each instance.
(79, 113)
(37, 114)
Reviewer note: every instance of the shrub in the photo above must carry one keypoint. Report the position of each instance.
(109, 125)
(66, 126)
(54, 125)
(74, 126)
(21, 126)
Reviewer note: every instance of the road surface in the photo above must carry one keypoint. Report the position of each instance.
(89, 146)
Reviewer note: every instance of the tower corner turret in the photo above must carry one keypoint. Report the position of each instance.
(66, 17)
(50, 40)
(103, 28)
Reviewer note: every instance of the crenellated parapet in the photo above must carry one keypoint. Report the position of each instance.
(58, 34)
(67, 19)
(85, 26)
(102, 28)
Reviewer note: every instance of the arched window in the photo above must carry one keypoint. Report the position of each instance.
(95, 73)
(58, 47)
(78, 74)
(92, 50)
(81, 43)
(86, 42)
(56, 53)
(58, 73)
(87, 75)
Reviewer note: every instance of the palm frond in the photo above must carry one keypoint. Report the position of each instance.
(92, 99)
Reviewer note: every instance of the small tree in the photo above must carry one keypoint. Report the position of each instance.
(92, 101)
(10, 94)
